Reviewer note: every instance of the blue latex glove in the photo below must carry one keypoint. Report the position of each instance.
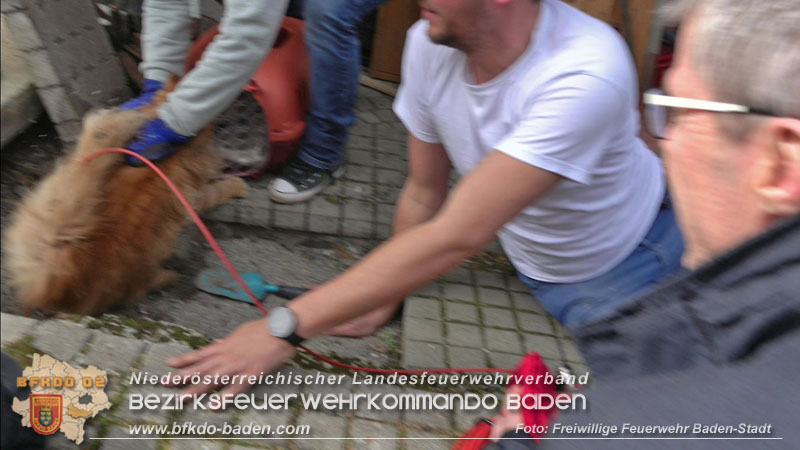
(151, 87)
(155, 141)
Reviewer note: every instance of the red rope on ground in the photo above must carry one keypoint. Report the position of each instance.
(229, 266)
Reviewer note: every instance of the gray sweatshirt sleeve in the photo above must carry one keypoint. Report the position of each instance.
(247, 31)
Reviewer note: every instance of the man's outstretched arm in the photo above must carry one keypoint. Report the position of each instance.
(423, 194)
(496, 191)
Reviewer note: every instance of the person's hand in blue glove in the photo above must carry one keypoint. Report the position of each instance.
(151, 88)
(155, 141)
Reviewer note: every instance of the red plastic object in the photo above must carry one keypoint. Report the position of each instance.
(279, 85)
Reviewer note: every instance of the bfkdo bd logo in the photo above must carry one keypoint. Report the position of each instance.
(46, 412)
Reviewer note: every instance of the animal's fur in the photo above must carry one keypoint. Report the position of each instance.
(94, 235)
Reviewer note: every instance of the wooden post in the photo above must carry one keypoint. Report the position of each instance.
(394, 19)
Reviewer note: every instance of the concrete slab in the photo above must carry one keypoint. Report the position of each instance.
(19, 104)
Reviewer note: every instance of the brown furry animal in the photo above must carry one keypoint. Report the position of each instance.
(94, 235)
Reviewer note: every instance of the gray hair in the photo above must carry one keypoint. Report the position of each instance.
(747, 51)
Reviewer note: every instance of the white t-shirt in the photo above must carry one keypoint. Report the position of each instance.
(568, 105)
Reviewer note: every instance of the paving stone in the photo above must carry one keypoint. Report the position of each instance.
(390, 161)
(422, 355)
(423, 308)
(462, 357)
(459, 275)
(504, 360)
(61, 339)
(463, 335)
(431, 290)
(423, 329)
(256, 216)
(544, 345)
(355, 191)
(361, 157)
(437, 419)
(535, 323)
(494, 297)
(323, 224)
(461, 292)
(524, 301)
(289, 220)
(490, 279)
(321, 206)
(461, 312)
(383, 231)
(155, 357)
(392, 146)
(14, 327)
(386, 115)
(359, 210)
(503, 341)
(391, 177)
(426, 440)
(357, 228)
(360, 173)
(361, 432)
(385, 214)
(322, 426)
(386, 194)
(369, 117)
(124, 444)
(361, 128)
(514, 284)
(498, 318)
(113, 353)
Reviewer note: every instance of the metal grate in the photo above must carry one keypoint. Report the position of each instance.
(242, 135)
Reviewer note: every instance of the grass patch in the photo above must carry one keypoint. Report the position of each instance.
(22, 351)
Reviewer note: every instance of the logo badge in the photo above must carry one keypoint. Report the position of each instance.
(46, 412)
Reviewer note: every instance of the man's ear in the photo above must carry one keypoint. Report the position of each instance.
(778, 170)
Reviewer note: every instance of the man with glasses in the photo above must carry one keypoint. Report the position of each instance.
(719, 344)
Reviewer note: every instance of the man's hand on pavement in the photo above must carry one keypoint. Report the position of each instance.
(249, 350)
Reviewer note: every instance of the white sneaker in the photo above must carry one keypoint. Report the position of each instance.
(299, 182)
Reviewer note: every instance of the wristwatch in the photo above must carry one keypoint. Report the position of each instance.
(282, 323)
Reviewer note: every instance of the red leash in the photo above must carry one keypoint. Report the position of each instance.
(228, 265)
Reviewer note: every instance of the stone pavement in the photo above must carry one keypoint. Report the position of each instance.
(479, 315)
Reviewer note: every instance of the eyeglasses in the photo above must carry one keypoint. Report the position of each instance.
(659, 109)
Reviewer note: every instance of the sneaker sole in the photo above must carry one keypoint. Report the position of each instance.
(299, 197)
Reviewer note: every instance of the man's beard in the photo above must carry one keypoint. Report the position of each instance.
(447, 39)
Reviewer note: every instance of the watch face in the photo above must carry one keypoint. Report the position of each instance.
(282, 322)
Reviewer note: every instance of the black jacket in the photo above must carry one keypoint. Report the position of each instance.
(718, 345)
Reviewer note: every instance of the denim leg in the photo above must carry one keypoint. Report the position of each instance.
(335, 50)
(658, 256)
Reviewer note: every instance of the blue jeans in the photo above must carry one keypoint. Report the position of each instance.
(657, 257)
(335, 49)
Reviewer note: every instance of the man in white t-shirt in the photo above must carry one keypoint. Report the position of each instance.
(535, 104)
